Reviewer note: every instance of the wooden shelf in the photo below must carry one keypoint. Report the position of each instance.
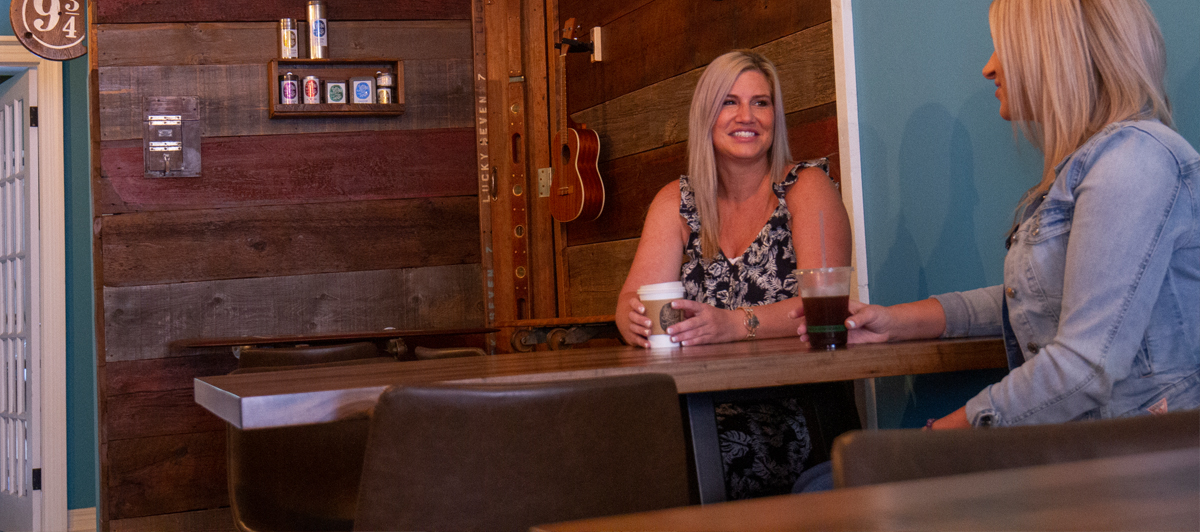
(337, 70)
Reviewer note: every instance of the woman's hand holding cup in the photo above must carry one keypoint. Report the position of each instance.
(659, 311)
(867, 324)
(706, 324)
(639, 324)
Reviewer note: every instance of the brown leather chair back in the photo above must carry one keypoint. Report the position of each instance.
(302, 478)
(507, 457)
(253, 357)
(874, 457)
(296, 478)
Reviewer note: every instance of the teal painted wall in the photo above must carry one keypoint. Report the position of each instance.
(82, 449)
(942, 171)
(1180, 20)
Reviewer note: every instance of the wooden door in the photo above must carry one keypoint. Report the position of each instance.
(20, 370)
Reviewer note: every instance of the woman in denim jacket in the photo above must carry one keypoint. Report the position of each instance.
(1100, 307)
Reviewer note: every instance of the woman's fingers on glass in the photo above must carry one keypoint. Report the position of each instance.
(865, 336)
(859, 323)
(855, 337)
(861, 315)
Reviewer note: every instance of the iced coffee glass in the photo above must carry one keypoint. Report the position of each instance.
(826, 295)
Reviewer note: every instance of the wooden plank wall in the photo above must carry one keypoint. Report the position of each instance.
(637, 99)
(295, 226)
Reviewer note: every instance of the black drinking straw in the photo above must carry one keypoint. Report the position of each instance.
(821, 223)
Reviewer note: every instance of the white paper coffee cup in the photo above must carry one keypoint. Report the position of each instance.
(657, 299)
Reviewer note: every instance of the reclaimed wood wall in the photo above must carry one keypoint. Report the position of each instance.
(295, 226)
(324, 225)
(638, 97)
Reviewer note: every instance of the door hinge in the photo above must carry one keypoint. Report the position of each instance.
(33, 117)
(37, 479)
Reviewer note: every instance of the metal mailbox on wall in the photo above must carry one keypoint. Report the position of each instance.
(171, 139)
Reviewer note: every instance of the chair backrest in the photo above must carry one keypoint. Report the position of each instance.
(507, 457)
(874, 457)
(302, 478)
(253, 357)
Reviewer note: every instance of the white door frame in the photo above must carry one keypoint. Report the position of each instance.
(848, 141)
(50, 503)
(846, 82)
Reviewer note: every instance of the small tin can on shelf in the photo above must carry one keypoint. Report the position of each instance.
(385, 84)
(318, 30)
(362, 89)
(289, 89)
(288, 39)
(312, 90)
(335, 91)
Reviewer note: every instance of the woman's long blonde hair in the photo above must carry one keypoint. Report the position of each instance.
(714, 85)
(1072, 67)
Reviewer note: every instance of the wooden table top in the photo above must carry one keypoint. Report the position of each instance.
(1153, 491)
(295, 397)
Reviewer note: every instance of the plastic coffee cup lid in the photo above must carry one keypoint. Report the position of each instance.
(669, 289)
(663, 286)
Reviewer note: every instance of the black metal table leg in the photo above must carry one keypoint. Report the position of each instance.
(702, 424)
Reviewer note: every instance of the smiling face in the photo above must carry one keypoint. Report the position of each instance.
(995, 72)
(746, 122)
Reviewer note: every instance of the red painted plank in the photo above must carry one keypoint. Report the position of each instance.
(130, 11)
(290, 169)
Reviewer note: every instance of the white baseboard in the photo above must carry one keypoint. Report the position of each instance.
(82, 520)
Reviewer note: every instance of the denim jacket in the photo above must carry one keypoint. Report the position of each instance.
(1100, 307)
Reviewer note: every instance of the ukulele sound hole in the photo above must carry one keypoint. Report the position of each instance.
(566, 153)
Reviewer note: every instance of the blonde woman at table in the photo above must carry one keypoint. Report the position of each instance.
(1100, 307)
(742, 220)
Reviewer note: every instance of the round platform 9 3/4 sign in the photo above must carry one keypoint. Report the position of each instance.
(53, 29)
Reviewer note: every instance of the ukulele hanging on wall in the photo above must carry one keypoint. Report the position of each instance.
(576, 191)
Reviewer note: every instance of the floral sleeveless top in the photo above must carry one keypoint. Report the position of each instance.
(765, 444)
(765, 273)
